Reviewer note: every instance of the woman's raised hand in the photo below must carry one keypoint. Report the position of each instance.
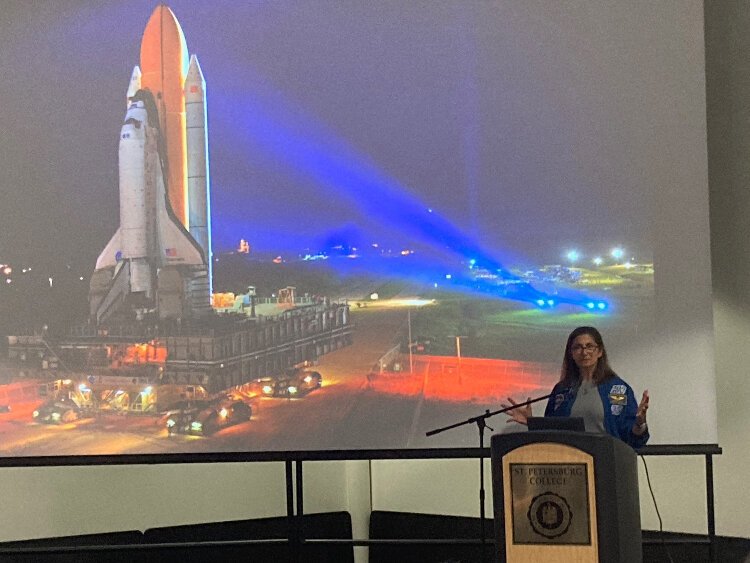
(520, 414)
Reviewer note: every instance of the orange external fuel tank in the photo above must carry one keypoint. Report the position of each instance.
(164, 65)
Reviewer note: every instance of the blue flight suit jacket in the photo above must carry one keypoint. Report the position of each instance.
(620, 408)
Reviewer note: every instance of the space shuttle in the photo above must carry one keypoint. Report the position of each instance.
(158, 263)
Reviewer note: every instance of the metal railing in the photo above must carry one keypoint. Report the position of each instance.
(294, 462)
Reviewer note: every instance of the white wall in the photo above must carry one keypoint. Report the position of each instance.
(728, 94)
(45, 502)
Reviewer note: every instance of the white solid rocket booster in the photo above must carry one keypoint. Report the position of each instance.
(199, 202)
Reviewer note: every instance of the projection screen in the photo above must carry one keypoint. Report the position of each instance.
(342, 225)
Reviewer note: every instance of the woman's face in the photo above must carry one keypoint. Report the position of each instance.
(585, 351)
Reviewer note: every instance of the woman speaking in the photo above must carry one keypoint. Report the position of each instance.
(590, 389)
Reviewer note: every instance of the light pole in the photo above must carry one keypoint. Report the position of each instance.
(458, 355)
(411, 356)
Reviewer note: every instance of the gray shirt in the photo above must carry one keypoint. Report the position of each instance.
(588, 405)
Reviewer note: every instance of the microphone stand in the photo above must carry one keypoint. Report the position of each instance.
(481, 423)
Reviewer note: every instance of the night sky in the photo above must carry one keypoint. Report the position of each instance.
(531, 127)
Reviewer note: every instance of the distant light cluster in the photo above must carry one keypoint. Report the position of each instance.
(22, 276)
(615, 256)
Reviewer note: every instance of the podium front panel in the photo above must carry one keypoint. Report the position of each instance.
(550, 504)
(537, 481)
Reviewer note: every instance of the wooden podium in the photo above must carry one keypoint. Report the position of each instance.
(565, 496)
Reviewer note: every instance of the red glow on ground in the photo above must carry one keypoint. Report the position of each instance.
(478, 380)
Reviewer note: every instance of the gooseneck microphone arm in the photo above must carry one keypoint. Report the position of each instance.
(481, 422)
(487, 414)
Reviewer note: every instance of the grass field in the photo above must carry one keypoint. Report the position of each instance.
(518, 331)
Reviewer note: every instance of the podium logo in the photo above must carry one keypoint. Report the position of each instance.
(550, 515)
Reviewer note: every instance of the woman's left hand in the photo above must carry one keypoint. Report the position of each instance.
(640, 415)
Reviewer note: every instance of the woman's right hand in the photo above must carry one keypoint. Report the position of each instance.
(520, 414)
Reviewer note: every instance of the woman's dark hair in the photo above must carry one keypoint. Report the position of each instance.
(570, 375)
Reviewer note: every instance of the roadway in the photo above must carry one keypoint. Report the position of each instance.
(351, 410)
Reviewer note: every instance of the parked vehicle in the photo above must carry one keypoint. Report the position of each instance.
(58, 411)
(206, 419)
(293, 383)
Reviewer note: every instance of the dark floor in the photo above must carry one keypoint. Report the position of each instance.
(230, 541)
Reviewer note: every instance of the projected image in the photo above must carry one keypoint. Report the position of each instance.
(273, 227)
